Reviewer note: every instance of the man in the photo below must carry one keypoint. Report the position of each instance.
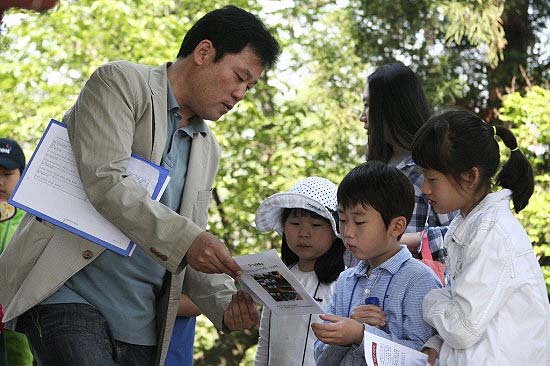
(81, 305)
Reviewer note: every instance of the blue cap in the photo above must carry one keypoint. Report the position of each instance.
(372, 300)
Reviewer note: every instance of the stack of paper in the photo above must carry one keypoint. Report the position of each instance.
(383, 352)
(51, 189)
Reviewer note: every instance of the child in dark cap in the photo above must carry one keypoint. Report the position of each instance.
(12, 163)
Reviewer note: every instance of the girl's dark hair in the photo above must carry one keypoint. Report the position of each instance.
(455, 141)
(329, 265)
(397, 106)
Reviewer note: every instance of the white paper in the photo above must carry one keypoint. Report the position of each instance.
(269, 280)
(51, 189)
(383, 352)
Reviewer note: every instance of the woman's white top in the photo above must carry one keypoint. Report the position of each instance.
(495, 311)
(289, 340)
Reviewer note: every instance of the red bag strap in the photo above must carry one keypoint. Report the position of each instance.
(425, 245)
(424, 242)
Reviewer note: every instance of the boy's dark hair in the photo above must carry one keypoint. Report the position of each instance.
(457, 140)
(329, 265)
(397, 106)
(231, 29)
(380, 186)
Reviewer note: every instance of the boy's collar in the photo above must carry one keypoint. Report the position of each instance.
(391, 265)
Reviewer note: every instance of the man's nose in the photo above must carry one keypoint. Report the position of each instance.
(239, 92)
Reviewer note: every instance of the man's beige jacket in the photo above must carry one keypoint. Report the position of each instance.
(121, 110)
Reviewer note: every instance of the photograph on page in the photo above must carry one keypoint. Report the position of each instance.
(270, 281)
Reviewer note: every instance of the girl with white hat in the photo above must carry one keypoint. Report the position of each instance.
(305, 218)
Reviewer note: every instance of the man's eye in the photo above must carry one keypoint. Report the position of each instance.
(359, 222)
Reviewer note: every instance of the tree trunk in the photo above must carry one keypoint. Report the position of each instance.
(507, 76)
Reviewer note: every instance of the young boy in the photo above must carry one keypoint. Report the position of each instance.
(375, 203)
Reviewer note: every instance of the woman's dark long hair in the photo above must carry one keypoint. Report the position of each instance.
(457, 140)
(329, 265)
(397, 109)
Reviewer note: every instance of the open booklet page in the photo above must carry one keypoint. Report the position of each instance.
(272, 284)
(50, 188)
(383, 352)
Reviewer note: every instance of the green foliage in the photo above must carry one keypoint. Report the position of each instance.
(477, 21)
(302, 118)
(451, 45)
(529, 119)
(46, 58)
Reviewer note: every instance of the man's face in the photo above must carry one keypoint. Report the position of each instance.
(218, 86)
(8, 180)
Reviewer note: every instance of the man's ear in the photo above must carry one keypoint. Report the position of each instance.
(204, 52)
(470, 179)
(397, 226)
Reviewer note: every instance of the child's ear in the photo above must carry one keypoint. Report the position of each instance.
(397, 226)
(470, 179)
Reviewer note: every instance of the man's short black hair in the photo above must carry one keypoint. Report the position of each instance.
(231, 29)
(380, 186)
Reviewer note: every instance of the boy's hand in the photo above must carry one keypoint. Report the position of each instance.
(432, 356)
(340, 331)
(369, 314)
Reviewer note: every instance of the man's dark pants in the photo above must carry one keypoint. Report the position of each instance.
(77, 334)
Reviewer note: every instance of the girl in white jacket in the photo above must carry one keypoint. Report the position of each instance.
(494, 310)
(305, 218)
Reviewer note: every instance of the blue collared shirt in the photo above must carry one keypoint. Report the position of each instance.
(177, 150)
(400, 283)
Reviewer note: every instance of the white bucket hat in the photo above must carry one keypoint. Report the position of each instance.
(314, 194)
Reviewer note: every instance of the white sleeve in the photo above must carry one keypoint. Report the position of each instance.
(262, 352)
(461, 313)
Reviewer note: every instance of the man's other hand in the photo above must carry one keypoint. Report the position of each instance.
(241, 313)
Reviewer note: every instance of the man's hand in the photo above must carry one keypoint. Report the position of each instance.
(432, 356)
(209, 255)
(340, 331)
(369, 314)
(241, 313)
